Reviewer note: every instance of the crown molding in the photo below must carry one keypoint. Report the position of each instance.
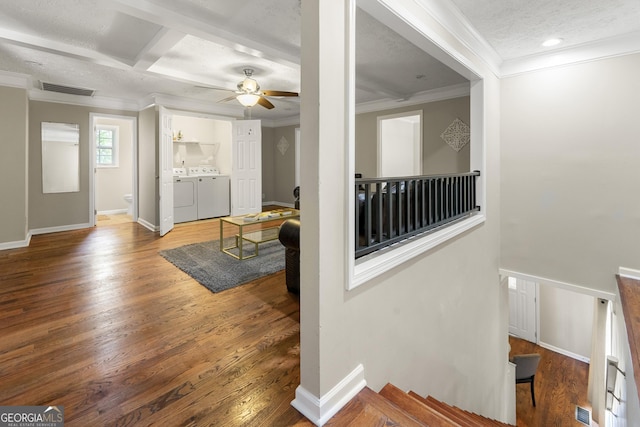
(607, 48)
(185, 104)
(440, 94)
(286, 121)
(22, 81)
(449, 16)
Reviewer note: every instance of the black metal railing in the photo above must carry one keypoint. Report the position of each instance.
(389, 210)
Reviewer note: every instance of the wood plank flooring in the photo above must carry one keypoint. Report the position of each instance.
(560, 384)
(96, 321)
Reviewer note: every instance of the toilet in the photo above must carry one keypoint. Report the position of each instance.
(129, 199)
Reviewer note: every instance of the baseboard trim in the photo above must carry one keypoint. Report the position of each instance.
(113, 212)
(320, 410)
(629, 272)
(273, 202)
(57, 229)
(16, 244)
(564, 352)
(148, 225)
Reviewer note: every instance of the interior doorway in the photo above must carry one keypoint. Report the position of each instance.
(113, 183)
(400, 144)
(523, 311)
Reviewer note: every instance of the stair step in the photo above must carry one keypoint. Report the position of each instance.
(415, 408)
(369, 408)
(393, 407)
(451, 412)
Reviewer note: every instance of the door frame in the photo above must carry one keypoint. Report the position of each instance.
(93, 117)
(536, 303)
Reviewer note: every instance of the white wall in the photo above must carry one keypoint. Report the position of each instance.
(570, 172)
(114, 182)
(205, 141)
(566, 321)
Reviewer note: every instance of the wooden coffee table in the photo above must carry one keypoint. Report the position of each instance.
(257, 233)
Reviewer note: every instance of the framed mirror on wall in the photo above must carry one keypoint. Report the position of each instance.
(60, 157)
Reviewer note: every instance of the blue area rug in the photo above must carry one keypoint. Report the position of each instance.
(218, 271)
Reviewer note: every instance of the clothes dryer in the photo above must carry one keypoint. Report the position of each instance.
(185, 196)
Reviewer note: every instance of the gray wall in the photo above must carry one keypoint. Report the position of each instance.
(14, 110)
(278, 170)
(570, 175)
(59, 209)
(437, 156)
(284, 164)
(268, 165)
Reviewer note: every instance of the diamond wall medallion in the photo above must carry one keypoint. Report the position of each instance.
(283, 145)
(457, 134)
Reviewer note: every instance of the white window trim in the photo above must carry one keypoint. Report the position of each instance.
(116, 146)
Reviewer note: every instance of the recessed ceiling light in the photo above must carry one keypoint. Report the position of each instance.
(551, 42)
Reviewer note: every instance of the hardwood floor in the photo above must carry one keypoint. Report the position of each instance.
(96, 321)
(112, 219)
(560, 384)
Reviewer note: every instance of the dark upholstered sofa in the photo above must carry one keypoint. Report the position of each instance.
(289, 236)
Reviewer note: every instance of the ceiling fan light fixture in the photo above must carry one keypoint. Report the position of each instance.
(248, 85)
(248, 99)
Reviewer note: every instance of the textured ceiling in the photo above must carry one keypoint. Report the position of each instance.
(193, 51)
(517, 28)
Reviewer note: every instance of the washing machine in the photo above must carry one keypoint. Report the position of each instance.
(185, 196)
(213, 193)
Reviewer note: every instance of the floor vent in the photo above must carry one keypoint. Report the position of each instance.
(52, 87)
(583, 415)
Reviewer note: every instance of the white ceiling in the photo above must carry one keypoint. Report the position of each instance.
(189, 54)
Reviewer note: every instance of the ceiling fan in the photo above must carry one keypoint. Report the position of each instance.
(249, 93)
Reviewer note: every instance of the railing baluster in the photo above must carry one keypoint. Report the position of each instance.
(390, 210)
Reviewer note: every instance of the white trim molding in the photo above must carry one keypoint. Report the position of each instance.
(320, 410)
(629, 272)
(16, 244)
(148, 225)
(22, 81)
(373, 265)
(59, 228)
(558, 284)
(564, 352)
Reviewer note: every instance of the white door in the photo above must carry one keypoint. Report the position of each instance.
(166, 172)
(246, 169)
(400, 144)
(522, 309)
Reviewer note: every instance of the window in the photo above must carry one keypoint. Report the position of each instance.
(106, 146)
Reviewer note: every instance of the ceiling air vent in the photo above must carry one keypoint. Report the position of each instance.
(52, 87)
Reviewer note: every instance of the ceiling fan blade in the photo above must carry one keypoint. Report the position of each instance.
(265, 103)
(279, 93)
(228, 98)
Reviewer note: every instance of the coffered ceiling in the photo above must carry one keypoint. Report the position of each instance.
(189, 54)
